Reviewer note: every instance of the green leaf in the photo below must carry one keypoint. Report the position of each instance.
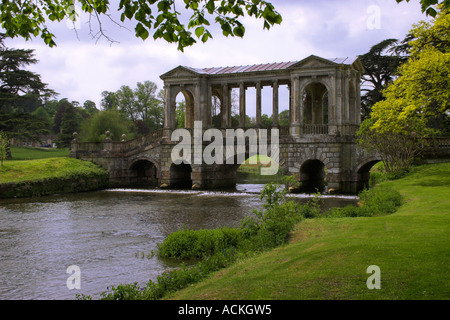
(206, 36)
(210, 6)
(239, 31)
(199, 31)
(141, 31)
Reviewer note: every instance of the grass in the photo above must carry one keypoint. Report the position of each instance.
(28, 153)
(327, 258)
(256, 163)
(41, 169)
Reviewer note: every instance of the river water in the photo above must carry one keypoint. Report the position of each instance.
(108, 234)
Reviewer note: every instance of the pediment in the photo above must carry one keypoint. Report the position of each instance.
(313, 62)
(180, 72)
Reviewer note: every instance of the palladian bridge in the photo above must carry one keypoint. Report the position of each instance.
(318, 146)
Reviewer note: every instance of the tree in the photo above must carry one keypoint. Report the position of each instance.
(27, 19)
(180, 114)
(148, 106)
(380, 64)
(20, 87)
(142, 103)
(417, 103)
(4, 146)
(284, 118)
(107, 120)
(109, 100)
(70, 123)
(90, 107)
(23, 125)
(429, 6)
(126, 103)
(266, 121)
(62, 105)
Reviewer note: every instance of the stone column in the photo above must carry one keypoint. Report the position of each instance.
(338, 97)
(295, 98)
(209, 107)
(299, 107)
(346, 98)
(241, 105)
(258, 104)
(225, 106)
(167, 107)
(358, 100)
(275, 103)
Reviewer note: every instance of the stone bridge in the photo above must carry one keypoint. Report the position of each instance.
(318, 146)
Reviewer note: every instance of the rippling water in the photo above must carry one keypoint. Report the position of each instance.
(107, 234)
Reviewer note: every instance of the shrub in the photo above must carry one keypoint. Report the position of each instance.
(187, 244)
(172, 280)
(378, 201)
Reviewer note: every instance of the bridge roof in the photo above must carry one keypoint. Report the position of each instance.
(265, 67)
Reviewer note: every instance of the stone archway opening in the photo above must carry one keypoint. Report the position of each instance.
(216, 109)
(180, 176)
(312, 176)
(184, 109)
(252, 170)
(143, 173)
(364, 175)
(315, 102)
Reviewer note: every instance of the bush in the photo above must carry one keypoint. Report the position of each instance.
(187, 244)
(171, 281)
(378, 201)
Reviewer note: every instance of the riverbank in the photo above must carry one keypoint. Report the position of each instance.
(327, 258)
(32, 178)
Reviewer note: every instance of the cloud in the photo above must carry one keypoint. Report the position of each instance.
(82, 69)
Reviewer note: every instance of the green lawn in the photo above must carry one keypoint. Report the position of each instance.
(28, 153)
(328, 258)
(39, 169)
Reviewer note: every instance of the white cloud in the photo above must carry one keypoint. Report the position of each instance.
(81, 70)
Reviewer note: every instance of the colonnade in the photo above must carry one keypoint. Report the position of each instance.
(324, 96)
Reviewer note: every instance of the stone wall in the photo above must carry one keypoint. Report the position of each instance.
(52, 186)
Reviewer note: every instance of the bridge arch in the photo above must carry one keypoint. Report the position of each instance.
(144, 171)
(312, 175)
(180, 175)
(363, 172)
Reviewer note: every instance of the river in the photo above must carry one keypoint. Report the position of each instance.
(108, 234)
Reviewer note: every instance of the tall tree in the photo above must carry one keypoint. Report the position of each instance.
(109, 100)
(148, 105)
(417, 103)
(70, 122)
(126, 102)
(380, 64)
(90, 107)
(27, 19)
(142, 103)
(19, 86)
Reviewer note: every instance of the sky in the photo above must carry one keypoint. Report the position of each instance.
(81, 68)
